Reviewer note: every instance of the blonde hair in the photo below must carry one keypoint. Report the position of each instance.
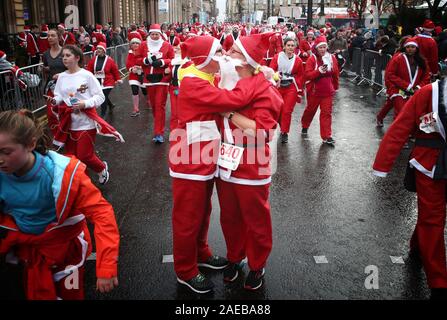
(23, 126)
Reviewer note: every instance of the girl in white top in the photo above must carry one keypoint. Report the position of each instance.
(78, 93)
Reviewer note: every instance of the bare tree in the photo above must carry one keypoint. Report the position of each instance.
(436, 8)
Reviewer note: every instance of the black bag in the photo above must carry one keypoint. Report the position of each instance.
(410, 178)
(154, 78)
(285, 83)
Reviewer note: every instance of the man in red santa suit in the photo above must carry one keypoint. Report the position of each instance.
(32, 47)
(290, 68)
(193, 158)
(98, 36)
(428, 47)
(244, 191)
(155, 55)
(143, 32)
(275, 47)
(406, 73)
(66, 37)
(173, 39)
(321, 76)
(134, 33)
(104, 69)
(425, 117)
(42, 42)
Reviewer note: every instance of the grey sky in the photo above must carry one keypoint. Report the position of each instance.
(221, 5)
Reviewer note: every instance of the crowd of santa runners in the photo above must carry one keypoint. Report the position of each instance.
(232, 92)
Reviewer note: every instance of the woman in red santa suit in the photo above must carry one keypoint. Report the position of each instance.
(321, 76)
(290, 68)
(42, 42)
(98, 36)
(425, 117)
(136, 76)
(106, 71)
(275, 47)
(155, 55)
(406, 73)
(244, 189)
(193, 157)
(66, 38)
(307, 45)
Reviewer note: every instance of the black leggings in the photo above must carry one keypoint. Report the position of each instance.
(136, 90)
(107, 102)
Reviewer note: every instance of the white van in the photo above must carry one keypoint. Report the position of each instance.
(273, 21)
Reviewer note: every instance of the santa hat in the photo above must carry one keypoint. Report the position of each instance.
(61, 26)
(22, 36)
(135, 40)
(26, 28)
(101, 45)
(438, 30)
(155, 28)
(254, 47)
(200, 50)
(328, 25)
(98, 27)
(75, 29)
(2, 55)
(411, 42)
(310, 32)
(321, 40)
(428, 25)
(44, 28)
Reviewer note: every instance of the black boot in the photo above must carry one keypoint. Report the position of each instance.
(284, 138)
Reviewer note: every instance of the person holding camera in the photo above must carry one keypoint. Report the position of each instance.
(290, 67)
(406, 73)
(155, 56)
(321, 76)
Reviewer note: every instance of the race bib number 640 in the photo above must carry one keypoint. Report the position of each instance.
(229, 156)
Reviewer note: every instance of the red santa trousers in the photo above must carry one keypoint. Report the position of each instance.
(388, 105)
(428, 236)
(173, 123)
(325, 104)
(190, 221)
(157, 96)
(290, 97)
(246, 222)
(398, 104)
(81, 144)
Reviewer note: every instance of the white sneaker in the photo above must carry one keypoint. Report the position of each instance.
(104, 175)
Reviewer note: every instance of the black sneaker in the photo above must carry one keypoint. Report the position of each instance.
(214, 262)
(231, 272)
(254, 280)
(304, 131)
(198, 284)
(438, 294)
(284, 138)
(329, 141)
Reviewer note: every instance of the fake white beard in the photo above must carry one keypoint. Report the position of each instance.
(154, 46)
(228, 74)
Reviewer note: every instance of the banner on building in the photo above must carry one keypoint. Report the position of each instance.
(163, 6)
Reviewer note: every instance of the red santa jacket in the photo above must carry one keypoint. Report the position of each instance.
(296, 70)
(143, 34)
(195, 142)
(305, 47)
(318, 84)
(155, 75)
(68, 38)
(43, 44)
(132, 61)
(32, 48)
(98, 37)
(134, 34)
(264, 109)
(67, 241)
(228, 42)
(398, 76)
(275, 47)
(420, 112)
(109, 73)
(428, 49)
(174, 41)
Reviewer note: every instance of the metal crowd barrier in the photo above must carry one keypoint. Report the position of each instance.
(13, 97)
(369, 66)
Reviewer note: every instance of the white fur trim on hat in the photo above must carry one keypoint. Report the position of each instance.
(136, 40)
(320, 44)
(213, 50)
(250, 60)
(155, 30)
(411, 43)
(103, 48)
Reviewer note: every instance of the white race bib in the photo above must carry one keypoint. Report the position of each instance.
(229, 156)
(100, 75)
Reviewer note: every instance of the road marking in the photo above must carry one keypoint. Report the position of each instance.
(320, 259)
(92, 257)
(168, 258)
(397, 260)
